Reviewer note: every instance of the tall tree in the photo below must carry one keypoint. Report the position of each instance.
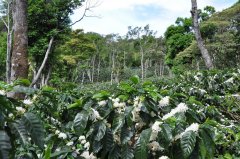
(206, 57)
(19, 61)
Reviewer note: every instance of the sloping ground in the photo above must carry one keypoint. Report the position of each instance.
(219, 33)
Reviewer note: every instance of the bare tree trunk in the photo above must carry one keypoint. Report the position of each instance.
(98, 69)
(43, 63)
(83, 76)
(113, 67)
(203, 50)
(93, 67)
(48, 76)
(19, 60)
(9, 42)
(142, 62)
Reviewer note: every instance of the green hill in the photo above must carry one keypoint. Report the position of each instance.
(221, 35)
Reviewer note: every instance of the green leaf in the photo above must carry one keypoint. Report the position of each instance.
(80, 122)
(115, 153)
(118, 123)
(127, 152)
(203, 150)
(141, 145)
(48, 151)
(18, 128)
(208, 143)
(135, 79)
(58, 153)
(187, 143)
(228, 156)
(108, 142)
(5, 145)
(35, 128)
(96, 146)
(77, 104)
(166, 134)
(101, 129)
(24, 82)
(101, 95)
(126, 134)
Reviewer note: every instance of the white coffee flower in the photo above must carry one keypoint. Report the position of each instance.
(95, 115)
(27, 101)
(164, 157)
(102, 103)
(155, 129)
(86, 155)
(38, 155)
(62, 135)
(182, 107)
(2, 92)
(20, 110)
(83, 142)
(164, 101)
(202, 91)
(154, 146)
(70, 143)
(193, 127)
(57, 132)
(196, 78)
(156, 126)
(81, 138)
(58, 149)
(116, 100)
(122, 104)
(86, 145)
(10, 115)
(230, 80)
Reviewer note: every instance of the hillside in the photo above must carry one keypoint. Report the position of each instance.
(221, 34)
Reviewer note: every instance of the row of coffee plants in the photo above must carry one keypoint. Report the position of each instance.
(195, 115)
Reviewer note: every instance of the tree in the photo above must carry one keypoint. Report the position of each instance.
(143, 37)
(7, 5)
(19, 60)
(206, 57)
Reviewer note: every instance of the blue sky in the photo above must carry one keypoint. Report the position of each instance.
(114, 16)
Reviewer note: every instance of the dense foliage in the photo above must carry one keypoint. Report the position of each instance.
(195, 115)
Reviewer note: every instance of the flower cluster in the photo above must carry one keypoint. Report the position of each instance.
(83, 141)
(61, 135)
(182, 107)
(95, 115)
(70, 143)
(163, 157)
(27, 101)
(21, 110)
(164, 101)
(155, 129)
(154, 146)
(102, 103)
(86, 155)
(193, 127)
(120, 106)
(2, 92)
(230, 80)
(137, 104)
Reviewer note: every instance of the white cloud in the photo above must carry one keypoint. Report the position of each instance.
(117, 15)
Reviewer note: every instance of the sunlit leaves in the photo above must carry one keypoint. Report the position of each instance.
(188, 141)
(80, 122)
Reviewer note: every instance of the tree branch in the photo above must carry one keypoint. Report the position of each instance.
(88, 7)
(4, 23)
(43, 63)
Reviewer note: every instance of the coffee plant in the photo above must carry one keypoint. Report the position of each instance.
(192, 116)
